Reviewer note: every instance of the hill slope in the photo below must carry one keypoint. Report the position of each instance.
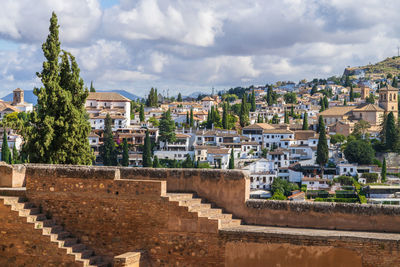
(389, 65)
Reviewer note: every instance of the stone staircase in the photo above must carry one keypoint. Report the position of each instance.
(204, 209)
(56, 233)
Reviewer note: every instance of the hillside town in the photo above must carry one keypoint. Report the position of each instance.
(324, 140)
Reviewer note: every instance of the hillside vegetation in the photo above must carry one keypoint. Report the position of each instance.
(389, 65)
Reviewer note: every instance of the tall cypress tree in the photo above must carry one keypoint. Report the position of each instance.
(286, 117)
(141, 113)
(187, 118)
(224, 116)
(383, 171)
(15, 155)
(253, 101)
(351, 94)
(156, 162)
(167, 128)
(232, 160)
(5, 150)
(244, 112)
(292, 111)
(58, 129)
(191, 118)
(125, 153)
(394, 82)
(179, 97)
(305, 121)
(147, 151)
(92, 90)
(322, 147)
(391, 133)
(108, 151)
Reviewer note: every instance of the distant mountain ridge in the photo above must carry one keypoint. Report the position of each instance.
(31, 98)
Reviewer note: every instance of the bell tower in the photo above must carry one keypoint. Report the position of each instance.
(18, 97)
(388, 100)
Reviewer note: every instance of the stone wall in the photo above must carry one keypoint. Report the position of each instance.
(12, 175)
(22, 245)
(230, 190)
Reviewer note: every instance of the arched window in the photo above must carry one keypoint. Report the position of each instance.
(390, 97)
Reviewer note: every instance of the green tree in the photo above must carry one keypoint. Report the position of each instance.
(370, 99)
(275, 119)
(225, 115)
(322, 147)
(337, 138)
(179, 97)
(232, 160)
(345, 102)
(92, 90)
(359, 151)
(383, 171)
(108, 151)
(391, 133)
(141, 113)
(187, 118)
(188, 162)
(292, 111)
(283, 186)
(347, 82)
(394, 82)
(58, 129)
(146, 157)
(314, 89)
(305, 121)
(191, 118)
(290, 98)
(15, 155)
(244, 112)
(152, 98)
(253, 101)
(167, 128)
(156, 162)
(125, 153)
(286, 120)
(322, 103)
(361, 129)
(351, 94)
(5, 150)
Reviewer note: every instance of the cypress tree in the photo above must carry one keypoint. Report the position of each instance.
(92, 90)
(5, 150)
(146, 158)
(108, 151)
(322, 103)
(253, 101)
(15, 155)
(232, 160)
(187, 118)
(322, 147)
(305, 121)
(224, 116)
(351, 94)
(191, 118)
(167, 128)
(345, 102)
(179, 97)
(156, 162)
(125, 153)
(188, 162)
(326, 102)
(292, 111)
(394, 82)
(58, 129)
(391, 133)
(314, 89)
(383, 171)
(286, 117)
(269, 96)
(244, 113)
(141, 113)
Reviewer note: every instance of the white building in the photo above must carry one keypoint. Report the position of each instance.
(262, 174)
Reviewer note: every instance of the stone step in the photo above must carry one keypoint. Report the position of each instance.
(35, 218)
(221, 216)
(190, 202)
(228, 223)
(52, 230)
(11, 200)
(24, 205)
(68, 242)
(179, 196)
(209, 212)
(26, 212)
(198, 207)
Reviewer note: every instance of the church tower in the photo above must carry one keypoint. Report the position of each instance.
(18, 97)
(364, 92)
(388, 100)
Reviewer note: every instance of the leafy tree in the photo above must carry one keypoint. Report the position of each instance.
(167, 128)
(92, 90)
(305, 121)
(179, 97)
(232, 160)
(152, 98)
(394, 82)
(361, 129)
(383, 171)
(337, 138)
(271, 96)
(244, 112)
(359, 151)
(125, 153)
(275, 119)
(290, 98)
(283, 186)
(314, 89)
(146, 157)
(156, 162)
(5, 150)
(58, 129)
(253, 101)
(141, 113)
(154, 122)
(389, 76)
(370, 99)
(391, 133)
(322, 147)
(347, 82)
(108, 151)
(278, 195)
(188, 162)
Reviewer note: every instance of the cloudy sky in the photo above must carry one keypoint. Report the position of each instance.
(187, 46)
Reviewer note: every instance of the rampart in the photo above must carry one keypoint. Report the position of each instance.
(120, 210)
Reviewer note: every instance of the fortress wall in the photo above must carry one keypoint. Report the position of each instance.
(12, 175)
(23, 245)
(117, 216)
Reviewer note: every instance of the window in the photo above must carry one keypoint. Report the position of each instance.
(351, 169)
(345, 169)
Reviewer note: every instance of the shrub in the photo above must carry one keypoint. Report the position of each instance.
(371, 177)
(344, 180)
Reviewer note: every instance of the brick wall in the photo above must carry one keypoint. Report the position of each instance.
(22, 245)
